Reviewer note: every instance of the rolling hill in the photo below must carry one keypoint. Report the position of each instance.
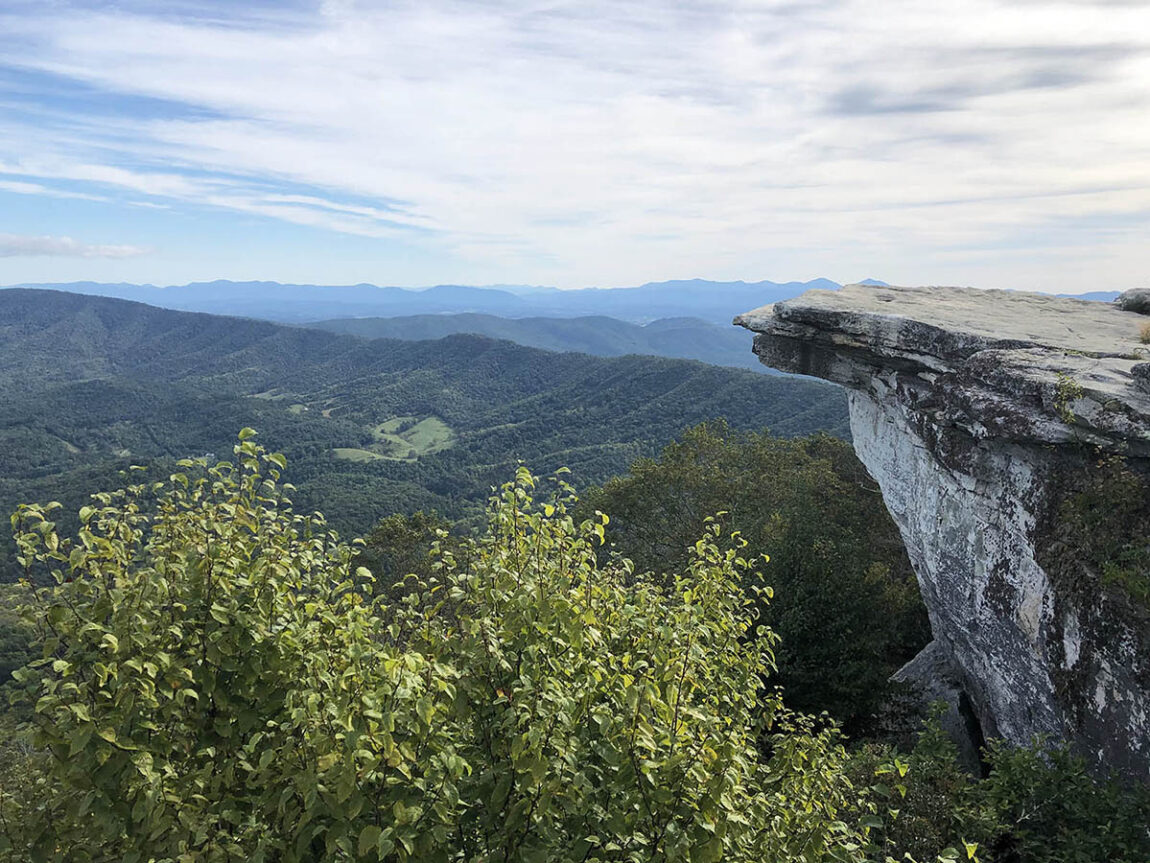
(91, 384)
(685, 338)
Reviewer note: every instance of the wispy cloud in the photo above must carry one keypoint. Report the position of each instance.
(15, 246)
(703, 137)
(22, 187)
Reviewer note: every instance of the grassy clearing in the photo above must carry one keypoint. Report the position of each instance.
(407, 438)
(356, 455)
(393, 426)
(430, 435)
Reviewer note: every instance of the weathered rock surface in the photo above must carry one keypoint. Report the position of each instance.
(974, 410)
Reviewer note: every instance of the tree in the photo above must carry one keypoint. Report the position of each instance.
(846, 605)
(217, 684)
(402, 545)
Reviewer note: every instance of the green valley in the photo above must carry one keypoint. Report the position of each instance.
(371, 427)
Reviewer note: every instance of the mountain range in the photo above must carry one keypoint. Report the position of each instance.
(687, 319)
(685, 338)
(715, 302)
(370, 427)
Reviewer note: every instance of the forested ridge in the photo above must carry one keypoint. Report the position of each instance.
(685, 338)
(93, 385)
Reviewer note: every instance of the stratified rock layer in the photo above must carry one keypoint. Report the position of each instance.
(971, 408)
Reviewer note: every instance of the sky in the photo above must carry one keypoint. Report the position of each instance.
(594, 142)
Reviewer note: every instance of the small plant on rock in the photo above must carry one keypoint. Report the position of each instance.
(1066, 392)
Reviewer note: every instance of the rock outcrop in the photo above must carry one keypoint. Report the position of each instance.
(1003, 428)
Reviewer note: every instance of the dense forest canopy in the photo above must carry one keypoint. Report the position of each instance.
(372, 427)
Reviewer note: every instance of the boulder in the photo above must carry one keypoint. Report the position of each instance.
(1134, 300)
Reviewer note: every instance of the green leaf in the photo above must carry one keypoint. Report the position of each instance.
(369, 839)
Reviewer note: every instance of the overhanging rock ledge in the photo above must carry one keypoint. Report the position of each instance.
(974, 410)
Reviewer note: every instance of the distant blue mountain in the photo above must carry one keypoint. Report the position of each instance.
(684, 338)
(716, 302)
(1100, 296)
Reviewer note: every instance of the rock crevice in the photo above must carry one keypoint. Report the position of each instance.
(975, 411)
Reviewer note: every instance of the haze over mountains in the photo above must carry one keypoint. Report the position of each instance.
(92, 384)
(687, 319)
(685, 338)
(715, 302)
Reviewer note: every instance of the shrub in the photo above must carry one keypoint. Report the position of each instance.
(1038, 804)
(846, 604)
(218, 685)
(1041, 803)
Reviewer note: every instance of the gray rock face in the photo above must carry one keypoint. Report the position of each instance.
(976, 411)
(934, 677)
(1134, 300)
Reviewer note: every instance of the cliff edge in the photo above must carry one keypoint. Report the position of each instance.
(1010, 434)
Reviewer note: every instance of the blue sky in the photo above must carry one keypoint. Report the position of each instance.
(597, 142)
